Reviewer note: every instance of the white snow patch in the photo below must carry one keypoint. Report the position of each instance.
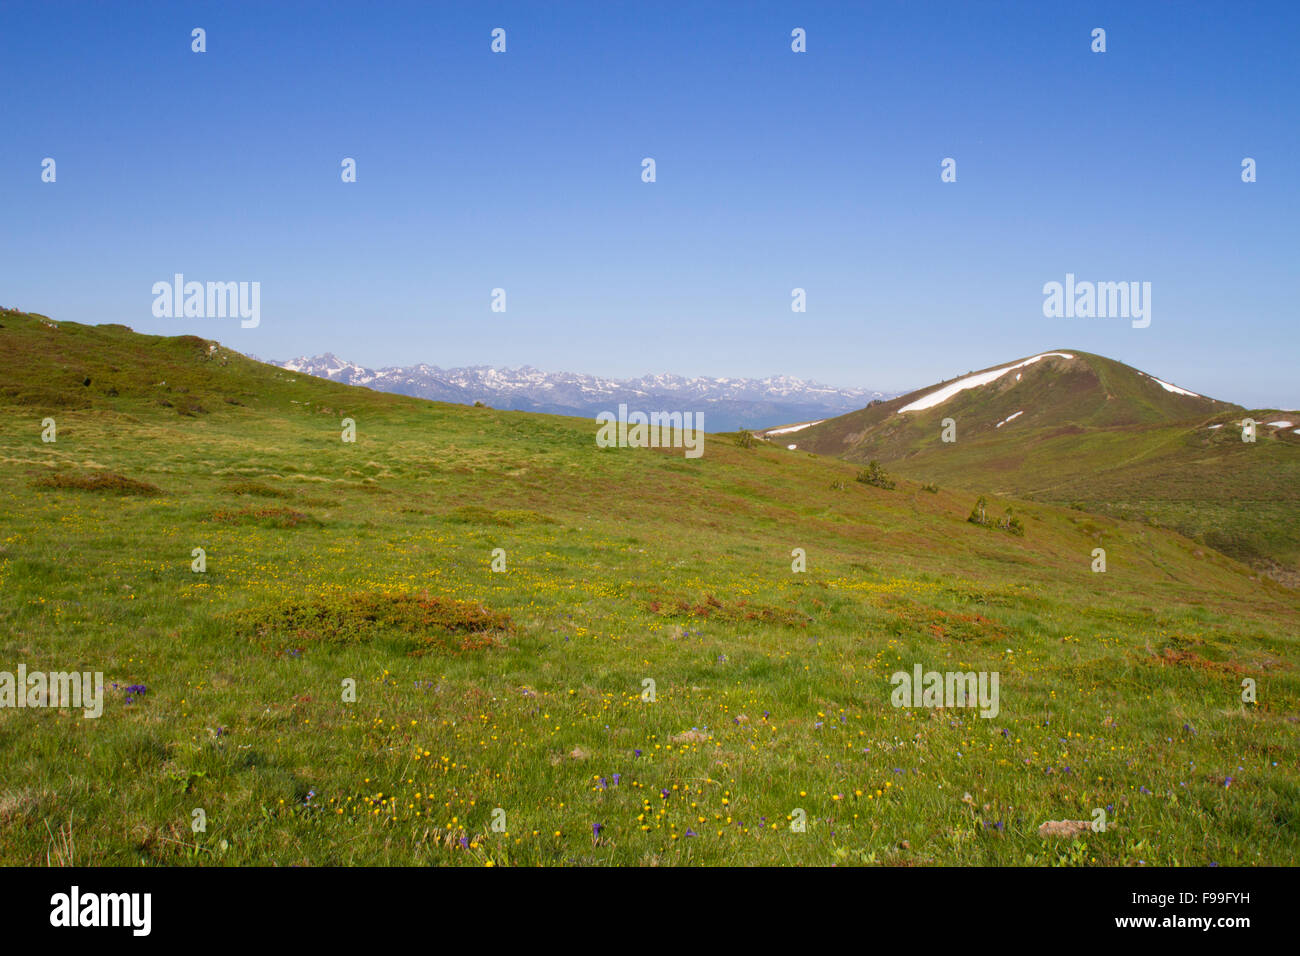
(972, 381)
(793, 428)
(1279, 424)
(791, 447)
(1173, 388)
(1008, 418)
(1212, 427)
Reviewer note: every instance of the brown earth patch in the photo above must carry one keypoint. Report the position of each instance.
(104, 483)
(1175, 657)
(946, 625)
(433, 623)
(711, 609)
(276, 517)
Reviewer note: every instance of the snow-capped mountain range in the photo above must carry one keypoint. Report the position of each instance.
(727, 403)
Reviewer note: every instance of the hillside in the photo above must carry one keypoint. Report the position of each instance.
(1097, 434)
(524, 691)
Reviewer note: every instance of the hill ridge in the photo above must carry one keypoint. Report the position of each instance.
(1093, 432)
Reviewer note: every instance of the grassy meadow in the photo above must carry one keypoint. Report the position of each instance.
(478, 691)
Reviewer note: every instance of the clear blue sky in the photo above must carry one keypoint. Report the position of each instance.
(775, 170)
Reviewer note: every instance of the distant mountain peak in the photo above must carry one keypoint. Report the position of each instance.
(726, 402)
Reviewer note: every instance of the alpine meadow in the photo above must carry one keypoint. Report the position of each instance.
(643, 679)
(743, 440)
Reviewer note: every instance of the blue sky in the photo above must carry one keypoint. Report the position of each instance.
(775, 170)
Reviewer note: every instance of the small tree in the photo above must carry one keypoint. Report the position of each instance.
(876, 476)
(1012, 524)
(1009, 522)
(745, 438)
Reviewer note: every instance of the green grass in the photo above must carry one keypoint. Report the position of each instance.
(371, 562)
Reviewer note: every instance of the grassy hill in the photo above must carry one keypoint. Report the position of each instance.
(1094, 433)
(523, 690)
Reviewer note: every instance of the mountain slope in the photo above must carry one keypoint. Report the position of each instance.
(623, 570)
(727, 403)
(1094, 432)
(1053, 390)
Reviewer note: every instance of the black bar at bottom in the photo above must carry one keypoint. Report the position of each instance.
(335, 906)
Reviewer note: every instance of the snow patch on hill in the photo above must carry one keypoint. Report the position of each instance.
(972, 381)
(1173, 388)
(792, 428)
(1008, 418)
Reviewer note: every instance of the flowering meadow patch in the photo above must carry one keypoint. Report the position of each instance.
(359, 686)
